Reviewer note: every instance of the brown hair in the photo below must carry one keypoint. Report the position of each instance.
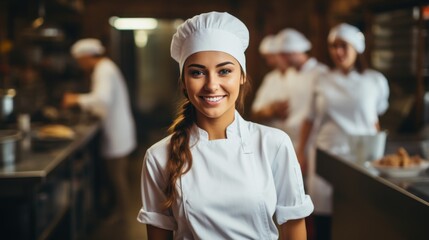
(361, 63)
(180, 156)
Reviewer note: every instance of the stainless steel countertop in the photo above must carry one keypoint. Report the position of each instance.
(367, 205)
(34, 165)
(410, 186)
(401, 184)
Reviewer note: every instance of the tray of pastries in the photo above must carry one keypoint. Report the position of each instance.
(400, 164)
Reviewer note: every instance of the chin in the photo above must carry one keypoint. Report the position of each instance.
(216, 113)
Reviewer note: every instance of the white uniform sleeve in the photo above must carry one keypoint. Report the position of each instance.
(311, 113)
(292, 202)
(98, 100)
(383, 97)
(263, 94)
(152, 186)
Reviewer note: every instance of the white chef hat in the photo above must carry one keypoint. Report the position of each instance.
(87, 47)
(350, 34)
(213, 31)
(290, 40)
(268, 45)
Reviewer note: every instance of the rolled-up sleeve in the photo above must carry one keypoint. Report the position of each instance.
(153, 197)
(292, 202)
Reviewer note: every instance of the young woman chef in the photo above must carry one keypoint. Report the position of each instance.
(347, 101)
(218, 176)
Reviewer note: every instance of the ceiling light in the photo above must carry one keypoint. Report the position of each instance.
(133, 23)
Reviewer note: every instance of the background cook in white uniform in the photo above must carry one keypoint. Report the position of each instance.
(109, 100)
(234, 188)
(298, 86)
(270, 105)
(346, 102)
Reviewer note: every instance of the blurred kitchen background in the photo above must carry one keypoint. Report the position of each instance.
(35, 37)
(36, 67)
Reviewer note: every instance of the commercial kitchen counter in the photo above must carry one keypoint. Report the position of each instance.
(367, 205)
(48, 192)
(33, 166)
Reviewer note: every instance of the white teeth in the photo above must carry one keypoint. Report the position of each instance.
(213, 99)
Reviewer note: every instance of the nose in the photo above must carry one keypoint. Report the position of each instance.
(212, 83)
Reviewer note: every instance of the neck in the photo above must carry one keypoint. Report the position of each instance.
(215, 127)
(303, 60)
(346, 71)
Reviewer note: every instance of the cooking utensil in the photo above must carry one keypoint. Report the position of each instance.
(7, 103)
(9, 146)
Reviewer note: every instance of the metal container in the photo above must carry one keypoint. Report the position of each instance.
(7, 103)
(9, 146)
(368, 147)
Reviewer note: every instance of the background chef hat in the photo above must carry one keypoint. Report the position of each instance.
(290, 40)
(350, 34)
(268, 45)
(87, 47)
(213, 31)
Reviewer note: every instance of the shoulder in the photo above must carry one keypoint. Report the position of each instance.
(158, 152)
(268, 135)
(372, 72)
(318, 66)
(322, 68)
(376, 76)
(273, 144)
(271, 76)
(106, 64)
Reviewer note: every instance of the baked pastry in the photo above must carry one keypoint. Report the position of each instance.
(55, 131)
(400, 159)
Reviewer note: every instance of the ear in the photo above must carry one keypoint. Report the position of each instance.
(243, 79)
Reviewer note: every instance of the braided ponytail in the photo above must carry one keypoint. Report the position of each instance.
(180, 157)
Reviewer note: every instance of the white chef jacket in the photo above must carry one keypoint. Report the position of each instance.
(234, 188)
(299, 88)
(109, 100)
(344, 105)
(272, 90)
(294, 86)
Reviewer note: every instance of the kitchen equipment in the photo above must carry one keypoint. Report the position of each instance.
(7, 103)
(424, 145)
(368, 147)
(9, 146)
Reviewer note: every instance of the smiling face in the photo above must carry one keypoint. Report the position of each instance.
(343, 54)
(212, 82)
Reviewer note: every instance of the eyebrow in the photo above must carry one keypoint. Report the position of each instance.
(202, 66)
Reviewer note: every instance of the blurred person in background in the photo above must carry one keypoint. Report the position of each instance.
(346, 101)
(299, 85)
(270, 105)
(108, 99)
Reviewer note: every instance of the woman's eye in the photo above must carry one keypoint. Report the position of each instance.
(196, 73)
(224, 71)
